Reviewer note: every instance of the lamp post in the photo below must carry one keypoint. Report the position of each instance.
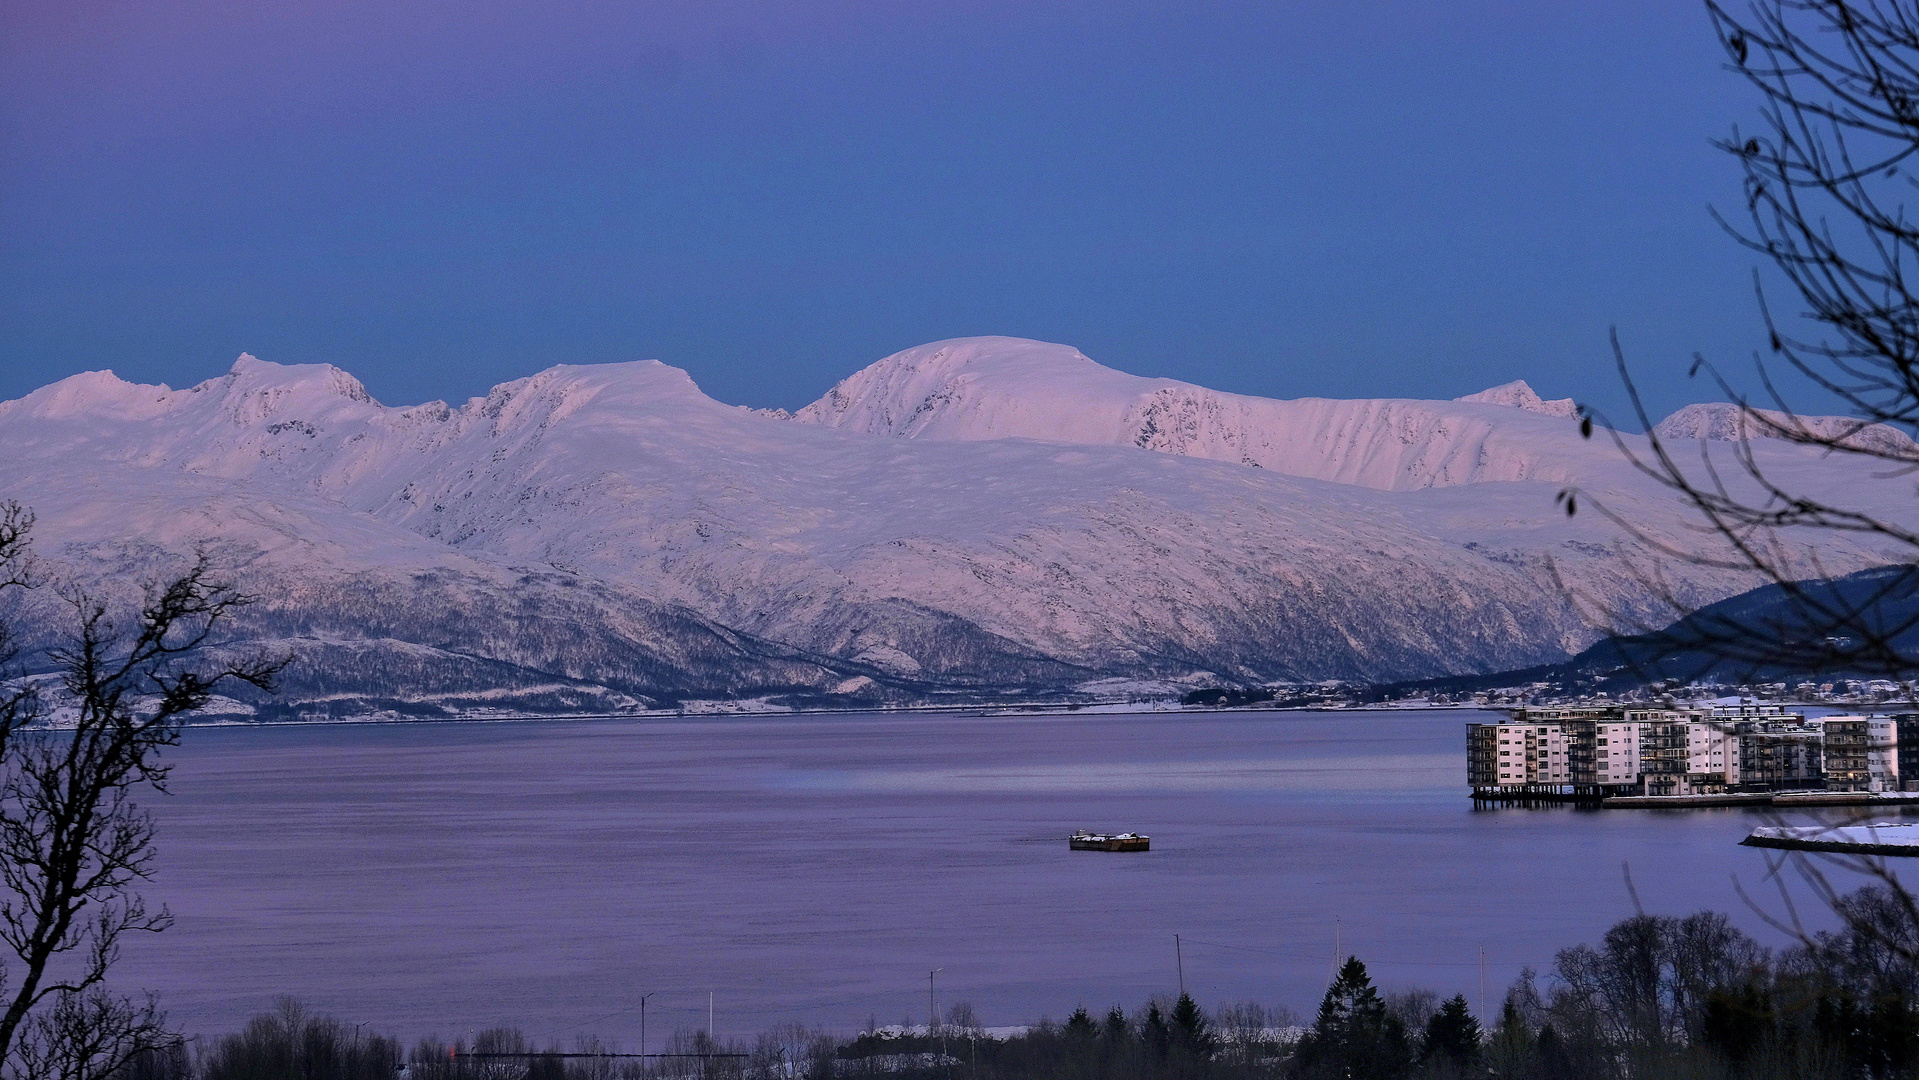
(933, 1009)
(1179, 957)
(932, 1006)
(643, 998)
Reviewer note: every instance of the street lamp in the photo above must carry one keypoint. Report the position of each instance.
(933, 1008)
(643, 998)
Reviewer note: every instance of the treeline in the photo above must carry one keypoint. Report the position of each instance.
(1656, 999)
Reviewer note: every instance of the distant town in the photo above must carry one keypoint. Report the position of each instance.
(1837, 693)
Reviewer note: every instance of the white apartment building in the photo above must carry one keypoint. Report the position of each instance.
(1712, 755)
(1589, 751)
(1616, 754)
(1524, 754)
(1859, 753)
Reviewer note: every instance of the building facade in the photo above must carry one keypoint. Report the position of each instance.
(1602, 750)
(1859, 753)
(1906, 732)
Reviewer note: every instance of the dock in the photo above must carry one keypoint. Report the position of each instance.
(1672, 802)
(1781, 799)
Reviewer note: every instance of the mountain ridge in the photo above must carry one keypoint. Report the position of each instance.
(613, 534)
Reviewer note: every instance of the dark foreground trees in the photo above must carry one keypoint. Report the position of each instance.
(75, 752)
(1655, 998)
(290, 1042)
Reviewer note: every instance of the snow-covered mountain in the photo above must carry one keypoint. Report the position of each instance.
(997, 388)
(970, 517)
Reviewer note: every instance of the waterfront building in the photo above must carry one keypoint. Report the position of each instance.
(1906, 735)
(1594, 751)
(1522, 756)
(1859, 753)
(1547, 752)
(1780, 756)
(1616, 754)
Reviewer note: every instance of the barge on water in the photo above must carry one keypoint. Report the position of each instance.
(1092, 841)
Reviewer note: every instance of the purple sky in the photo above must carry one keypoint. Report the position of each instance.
(1414, 199)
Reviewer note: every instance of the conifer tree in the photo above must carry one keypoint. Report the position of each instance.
(1154, 1032)
(1353, 1037)
(1191, 1030)
(1513, 1050)
(1452, 1036)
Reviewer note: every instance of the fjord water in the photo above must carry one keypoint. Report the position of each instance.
(440, 878)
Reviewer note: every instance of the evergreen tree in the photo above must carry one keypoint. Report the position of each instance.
(1154, 1032)
(1513, 1051)
(1353, 1037)
(1452, 1036)
(1553, 1058)
(1192, 1032)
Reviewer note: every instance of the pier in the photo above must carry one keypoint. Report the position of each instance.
(1543, 794)
(1602, 797)
(1781, 799)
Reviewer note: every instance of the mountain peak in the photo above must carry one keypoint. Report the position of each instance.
(90, 393)
(902, 394)
(971, 389)
(251, 375)
(1519, 395)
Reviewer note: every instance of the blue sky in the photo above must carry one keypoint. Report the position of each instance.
(1391, 199)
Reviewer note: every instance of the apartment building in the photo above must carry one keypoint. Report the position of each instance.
(1549, 752)
(1517, 755)
(1859, 753)
(1906, 731)
(1596, 751)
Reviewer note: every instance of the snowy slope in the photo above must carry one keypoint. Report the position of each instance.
(996, 388)
(609, 536)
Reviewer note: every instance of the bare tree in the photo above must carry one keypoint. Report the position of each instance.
(1824, 184)
(1826, 175)
(74, 842)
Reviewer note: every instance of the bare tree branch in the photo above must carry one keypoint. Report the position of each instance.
(74, 841)
(1825, 183)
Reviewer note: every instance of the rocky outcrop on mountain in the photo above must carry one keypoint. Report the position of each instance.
(1726, 422)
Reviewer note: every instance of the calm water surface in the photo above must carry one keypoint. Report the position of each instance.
(446, 877)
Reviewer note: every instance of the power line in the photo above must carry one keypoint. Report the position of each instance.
(1374, 960)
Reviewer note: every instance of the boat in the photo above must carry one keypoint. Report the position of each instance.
(1092, 841)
